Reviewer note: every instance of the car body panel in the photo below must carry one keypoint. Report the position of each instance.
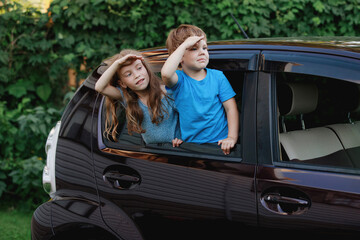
(182, 192)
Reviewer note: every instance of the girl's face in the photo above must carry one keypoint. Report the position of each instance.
(196, 57)
(134, 76)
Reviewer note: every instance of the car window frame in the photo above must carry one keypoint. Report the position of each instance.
(269, 89)
(249, 66)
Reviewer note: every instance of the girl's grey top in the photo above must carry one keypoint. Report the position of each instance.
(167, 129)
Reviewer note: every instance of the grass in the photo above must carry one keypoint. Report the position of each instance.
(15, 224)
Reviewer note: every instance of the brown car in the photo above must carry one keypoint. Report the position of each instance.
(295, 169)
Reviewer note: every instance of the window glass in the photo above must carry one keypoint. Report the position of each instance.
(318, 120)
(312, 63)
(134, 142)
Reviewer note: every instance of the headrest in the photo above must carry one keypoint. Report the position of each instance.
(297, 98)
(344, 97)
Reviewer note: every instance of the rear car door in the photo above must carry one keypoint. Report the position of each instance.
(308, 175)
(191, 190)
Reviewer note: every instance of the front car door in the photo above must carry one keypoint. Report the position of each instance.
(308, 141)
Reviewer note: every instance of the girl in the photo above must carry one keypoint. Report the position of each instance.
(149, 110)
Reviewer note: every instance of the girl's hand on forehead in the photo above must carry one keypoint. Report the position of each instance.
(193, 40)
(131, 57)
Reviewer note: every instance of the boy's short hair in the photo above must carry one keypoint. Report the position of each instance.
(177, 36)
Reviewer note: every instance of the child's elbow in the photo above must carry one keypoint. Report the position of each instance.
(165, 77)
(98, 88)
(164, 74)
(168, 77)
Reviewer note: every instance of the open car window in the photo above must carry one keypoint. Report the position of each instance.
(235, 70)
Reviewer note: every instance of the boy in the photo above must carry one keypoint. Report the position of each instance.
(203, 96)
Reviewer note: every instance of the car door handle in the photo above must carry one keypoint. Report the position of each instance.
(121, 177)
(277, 198)
(119, 180)
(285, 201)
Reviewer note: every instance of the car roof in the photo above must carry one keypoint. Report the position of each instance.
(331, 42)
(335, 45)
(343, 46)
(327, 44)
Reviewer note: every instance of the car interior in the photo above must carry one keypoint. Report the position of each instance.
(318, 120)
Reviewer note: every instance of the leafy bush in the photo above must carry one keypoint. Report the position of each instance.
(92, 30)
(26, 80)
(29, 66)
(23, 132)
(26, 182)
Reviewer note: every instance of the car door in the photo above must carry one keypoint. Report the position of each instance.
(308, 176)
(154, 191)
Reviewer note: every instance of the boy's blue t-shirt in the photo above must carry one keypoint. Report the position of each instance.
(201, 113)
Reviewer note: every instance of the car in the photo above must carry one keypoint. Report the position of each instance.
(295, 169)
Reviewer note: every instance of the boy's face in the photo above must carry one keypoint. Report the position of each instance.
(196, 57)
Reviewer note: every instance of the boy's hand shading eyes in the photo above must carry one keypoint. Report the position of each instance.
(191, 41)
(227, 144)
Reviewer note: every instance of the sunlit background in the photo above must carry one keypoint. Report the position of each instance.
(42, 5)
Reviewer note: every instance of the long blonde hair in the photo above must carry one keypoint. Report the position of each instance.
(134, 114)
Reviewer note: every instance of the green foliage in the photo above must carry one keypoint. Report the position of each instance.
(37, 50)
(28, 61)
(317, 18)
(23, 132)
(26, 116)
(23, 125)
(96, 29)
(26, 182)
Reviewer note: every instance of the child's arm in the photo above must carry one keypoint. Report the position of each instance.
(232, 115)
(103, 86)
(168, 74)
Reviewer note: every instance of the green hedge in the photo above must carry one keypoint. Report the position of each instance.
(37, 49)
(100, 28)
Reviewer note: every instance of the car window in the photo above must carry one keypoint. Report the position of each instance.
(234, 70)
(332, 66)
(318, 120)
